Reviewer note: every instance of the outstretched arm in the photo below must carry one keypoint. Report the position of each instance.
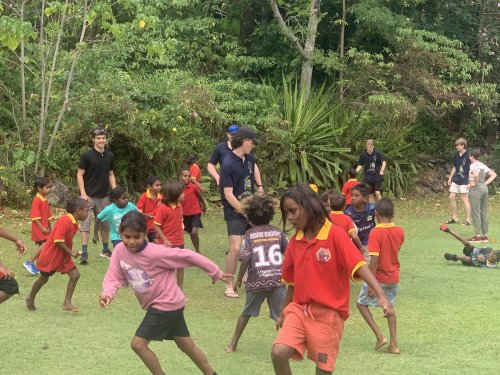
(21, 248)
(466, 243)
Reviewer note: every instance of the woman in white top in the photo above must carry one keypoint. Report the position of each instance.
(478, 195)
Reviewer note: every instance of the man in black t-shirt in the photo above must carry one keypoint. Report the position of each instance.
(373, 164)
(95, 177)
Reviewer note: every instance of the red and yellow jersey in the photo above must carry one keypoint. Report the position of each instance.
(169, 219)
(343, 221)
(40, 210)
(149, 205)
(384, 242)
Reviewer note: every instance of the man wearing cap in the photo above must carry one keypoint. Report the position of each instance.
(95, 177)
(237, 181)
(221, 151)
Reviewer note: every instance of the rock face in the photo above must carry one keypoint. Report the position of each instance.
(59, 194)
(434, 176)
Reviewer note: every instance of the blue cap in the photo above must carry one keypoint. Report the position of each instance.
(232, 128)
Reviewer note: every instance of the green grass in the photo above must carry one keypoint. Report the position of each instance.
(447, 314)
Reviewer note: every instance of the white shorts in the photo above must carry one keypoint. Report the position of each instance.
(462, 189)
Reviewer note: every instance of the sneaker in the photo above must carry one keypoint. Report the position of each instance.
(84, 258)
(106, 254)
(475, 238)
(451, 221)
(449, 256)
(30, 266)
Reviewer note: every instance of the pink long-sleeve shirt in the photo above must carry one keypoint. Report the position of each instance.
(151, 274)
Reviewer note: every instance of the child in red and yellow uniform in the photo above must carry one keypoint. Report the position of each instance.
(168, 221)
(319, 262)
(57, 252)
(337, 216)
(349, 184)
(194, 169)
(149, 202)
(384, 244)
(191, 207)
(41, 217)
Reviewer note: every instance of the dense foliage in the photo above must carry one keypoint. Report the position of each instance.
(167, 77)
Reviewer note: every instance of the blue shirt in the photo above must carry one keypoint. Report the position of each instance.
(364, 220)
(220, 152)
(462, 166)
(372, 163)
(113, 214)
(238, 174)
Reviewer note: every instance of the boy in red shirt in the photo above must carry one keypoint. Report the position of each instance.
(384, 244)
(41, 217)
(191, 207)
(337, 216)
(349, 184)
(57, 252)
(194, 169)
(149, 202)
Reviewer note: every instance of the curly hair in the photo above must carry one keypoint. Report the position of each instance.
(258, 208)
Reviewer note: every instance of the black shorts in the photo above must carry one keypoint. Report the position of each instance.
(192, 221)
(237, 227)
(9, 286)
(374, 185)
(163, 325)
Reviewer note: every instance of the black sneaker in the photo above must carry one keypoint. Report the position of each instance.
(84, 258)
(449, 256)
(106, 254)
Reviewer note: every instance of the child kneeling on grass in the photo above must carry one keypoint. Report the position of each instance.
(150, 271)
(261, 256)
(319, 261)
(384, 243)
(57, 252)
(473, 256)
(8, 285)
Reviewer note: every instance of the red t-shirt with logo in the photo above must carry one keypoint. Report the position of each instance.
(384, 242)
(40, 210)
(320, 269)
(148, 205)
(169, 218)
(191, 204)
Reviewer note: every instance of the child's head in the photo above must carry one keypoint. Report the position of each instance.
(337, 202)
(184, 175)
(460, 144)
(302, 207)
(352, 173)
(475, 153)
(154, 184)
(384, 209)
(42, 185)
(78, 207)
(173, 192)
(494, 257)
(133, 228)
(119, 196)
(192, 159)
(258, 208)
(325, 199)
(359, 193)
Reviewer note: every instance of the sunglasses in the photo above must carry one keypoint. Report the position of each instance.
(100, 132)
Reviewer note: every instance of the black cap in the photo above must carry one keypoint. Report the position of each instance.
(244, 132)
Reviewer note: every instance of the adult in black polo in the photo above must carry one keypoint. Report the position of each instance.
(223, 149)
(373, 163)
(95, 177)
(237, 181)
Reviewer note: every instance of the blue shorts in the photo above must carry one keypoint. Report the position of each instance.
(391, 291)
(275, 298)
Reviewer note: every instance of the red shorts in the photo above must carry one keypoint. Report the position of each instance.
(315, 328)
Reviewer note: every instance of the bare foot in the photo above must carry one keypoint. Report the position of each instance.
(30, 304)
(70, 307)
(392, 349)
(229, 349)
(380, 343)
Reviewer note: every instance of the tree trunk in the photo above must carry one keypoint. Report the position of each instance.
(307, 61)
(41, 133)
(342, 49)
(23, 77)
(68, 85)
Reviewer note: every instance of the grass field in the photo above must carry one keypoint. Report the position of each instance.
(448, 315)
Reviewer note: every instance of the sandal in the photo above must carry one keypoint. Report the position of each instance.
(230, 293)
(451, 221)
(466, 223)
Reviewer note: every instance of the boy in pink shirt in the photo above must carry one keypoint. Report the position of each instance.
(150, 270)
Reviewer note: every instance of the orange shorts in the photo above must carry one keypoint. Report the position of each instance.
(315, 328)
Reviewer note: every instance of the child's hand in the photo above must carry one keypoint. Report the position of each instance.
(386, 306)
(371, 292)
(104, 301)
(6, 273)
(45, 230)
(279, 322)
(21, 248)
(236, 285)
(75, 254)
(226, 278)
(95, 239)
